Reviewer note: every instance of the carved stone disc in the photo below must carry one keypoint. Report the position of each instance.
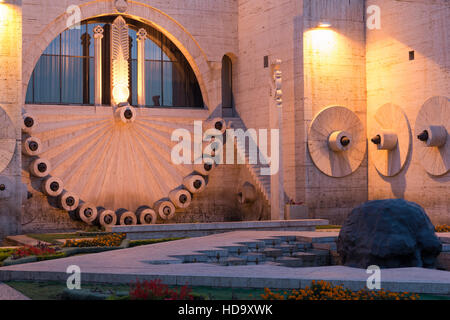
(7, 139)
(392, 118)
(327, 122)
(434, 112)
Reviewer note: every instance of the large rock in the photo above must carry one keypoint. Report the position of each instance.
(390, 233)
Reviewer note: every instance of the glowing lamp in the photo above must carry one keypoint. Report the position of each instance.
(324, 24)
(121, 94)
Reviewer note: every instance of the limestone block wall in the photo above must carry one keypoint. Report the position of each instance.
(274, 29)
(422, 27)
(334, 74)
(10, 101)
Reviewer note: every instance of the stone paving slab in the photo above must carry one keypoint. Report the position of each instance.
(8, 293)
(444, 237)
(124, 266)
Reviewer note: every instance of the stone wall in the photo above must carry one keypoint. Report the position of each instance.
(10, 101)
(274, 29)
(344, 65)
(334, 74)
(422, 27)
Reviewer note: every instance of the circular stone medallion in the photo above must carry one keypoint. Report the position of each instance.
(331, 162)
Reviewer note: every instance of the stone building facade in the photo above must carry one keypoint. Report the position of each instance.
(341, 61)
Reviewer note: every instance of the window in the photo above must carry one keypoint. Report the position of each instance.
(65, 72)
(227, 87)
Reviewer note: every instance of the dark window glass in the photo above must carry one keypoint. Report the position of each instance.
(64, 73)
(227, 85)
(153, 90)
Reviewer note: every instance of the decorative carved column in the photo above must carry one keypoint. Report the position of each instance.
(98, 36)
(276, 115)
(141, 36)
(120, 53)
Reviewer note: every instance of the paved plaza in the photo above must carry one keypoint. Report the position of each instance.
(167, 262)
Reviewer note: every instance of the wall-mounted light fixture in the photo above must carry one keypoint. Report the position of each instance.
(324, 24)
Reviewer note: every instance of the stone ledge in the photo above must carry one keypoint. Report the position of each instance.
(156, 231)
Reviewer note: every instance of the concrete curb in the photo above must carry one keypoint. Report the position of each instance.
(413, 286)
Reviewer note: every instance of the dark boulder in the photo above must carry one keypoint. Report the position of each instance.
(391, 233)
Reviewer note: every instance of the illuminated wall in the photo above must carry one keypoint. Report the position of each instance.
(422, 27)
(10, 101)
(334, 74)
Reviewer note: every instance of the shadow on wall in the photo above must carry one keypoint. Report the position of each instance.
(398, 182)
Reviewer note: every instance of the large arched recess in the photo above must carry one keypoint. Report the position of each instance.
(138, 11)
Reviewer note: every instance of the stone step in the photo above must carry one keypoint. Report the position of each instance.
(272, 242)
(255, 258)
(322, 257)
(325, 246)
(235, 249)
(444, 237)
(215, 253)
(303, 245)
(292, 262)
(254, 245)
(234, 261)
(311, 259)
(306, 259)
(288, 248)
(287, 239)
(446, 247)
(317, 237)
(273, 252)
(192, 258)
(157, 231)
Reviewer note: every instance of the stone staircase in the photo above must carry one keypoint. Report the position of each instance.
(262, 181)
(287, 251)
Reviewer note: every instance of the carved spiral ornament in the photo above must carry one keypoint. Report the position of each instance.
(88, 157)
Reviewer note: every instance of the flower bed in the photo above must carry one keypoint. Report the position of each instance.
(156, 290)
(322, 290)
(442, 228)
(111, 240)
(27, 251)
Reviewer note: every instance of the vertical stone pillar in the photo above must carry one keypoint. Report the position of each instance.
(141, 36)
(276, 120)
(98, 36)
(11, 102)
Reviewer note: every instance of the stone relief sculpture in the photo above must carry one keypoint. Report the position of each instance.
(120, 53)
(121, 5)
(391, 139)
(432, 131)
(7, 139)
(336, 141)
(106, 171)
